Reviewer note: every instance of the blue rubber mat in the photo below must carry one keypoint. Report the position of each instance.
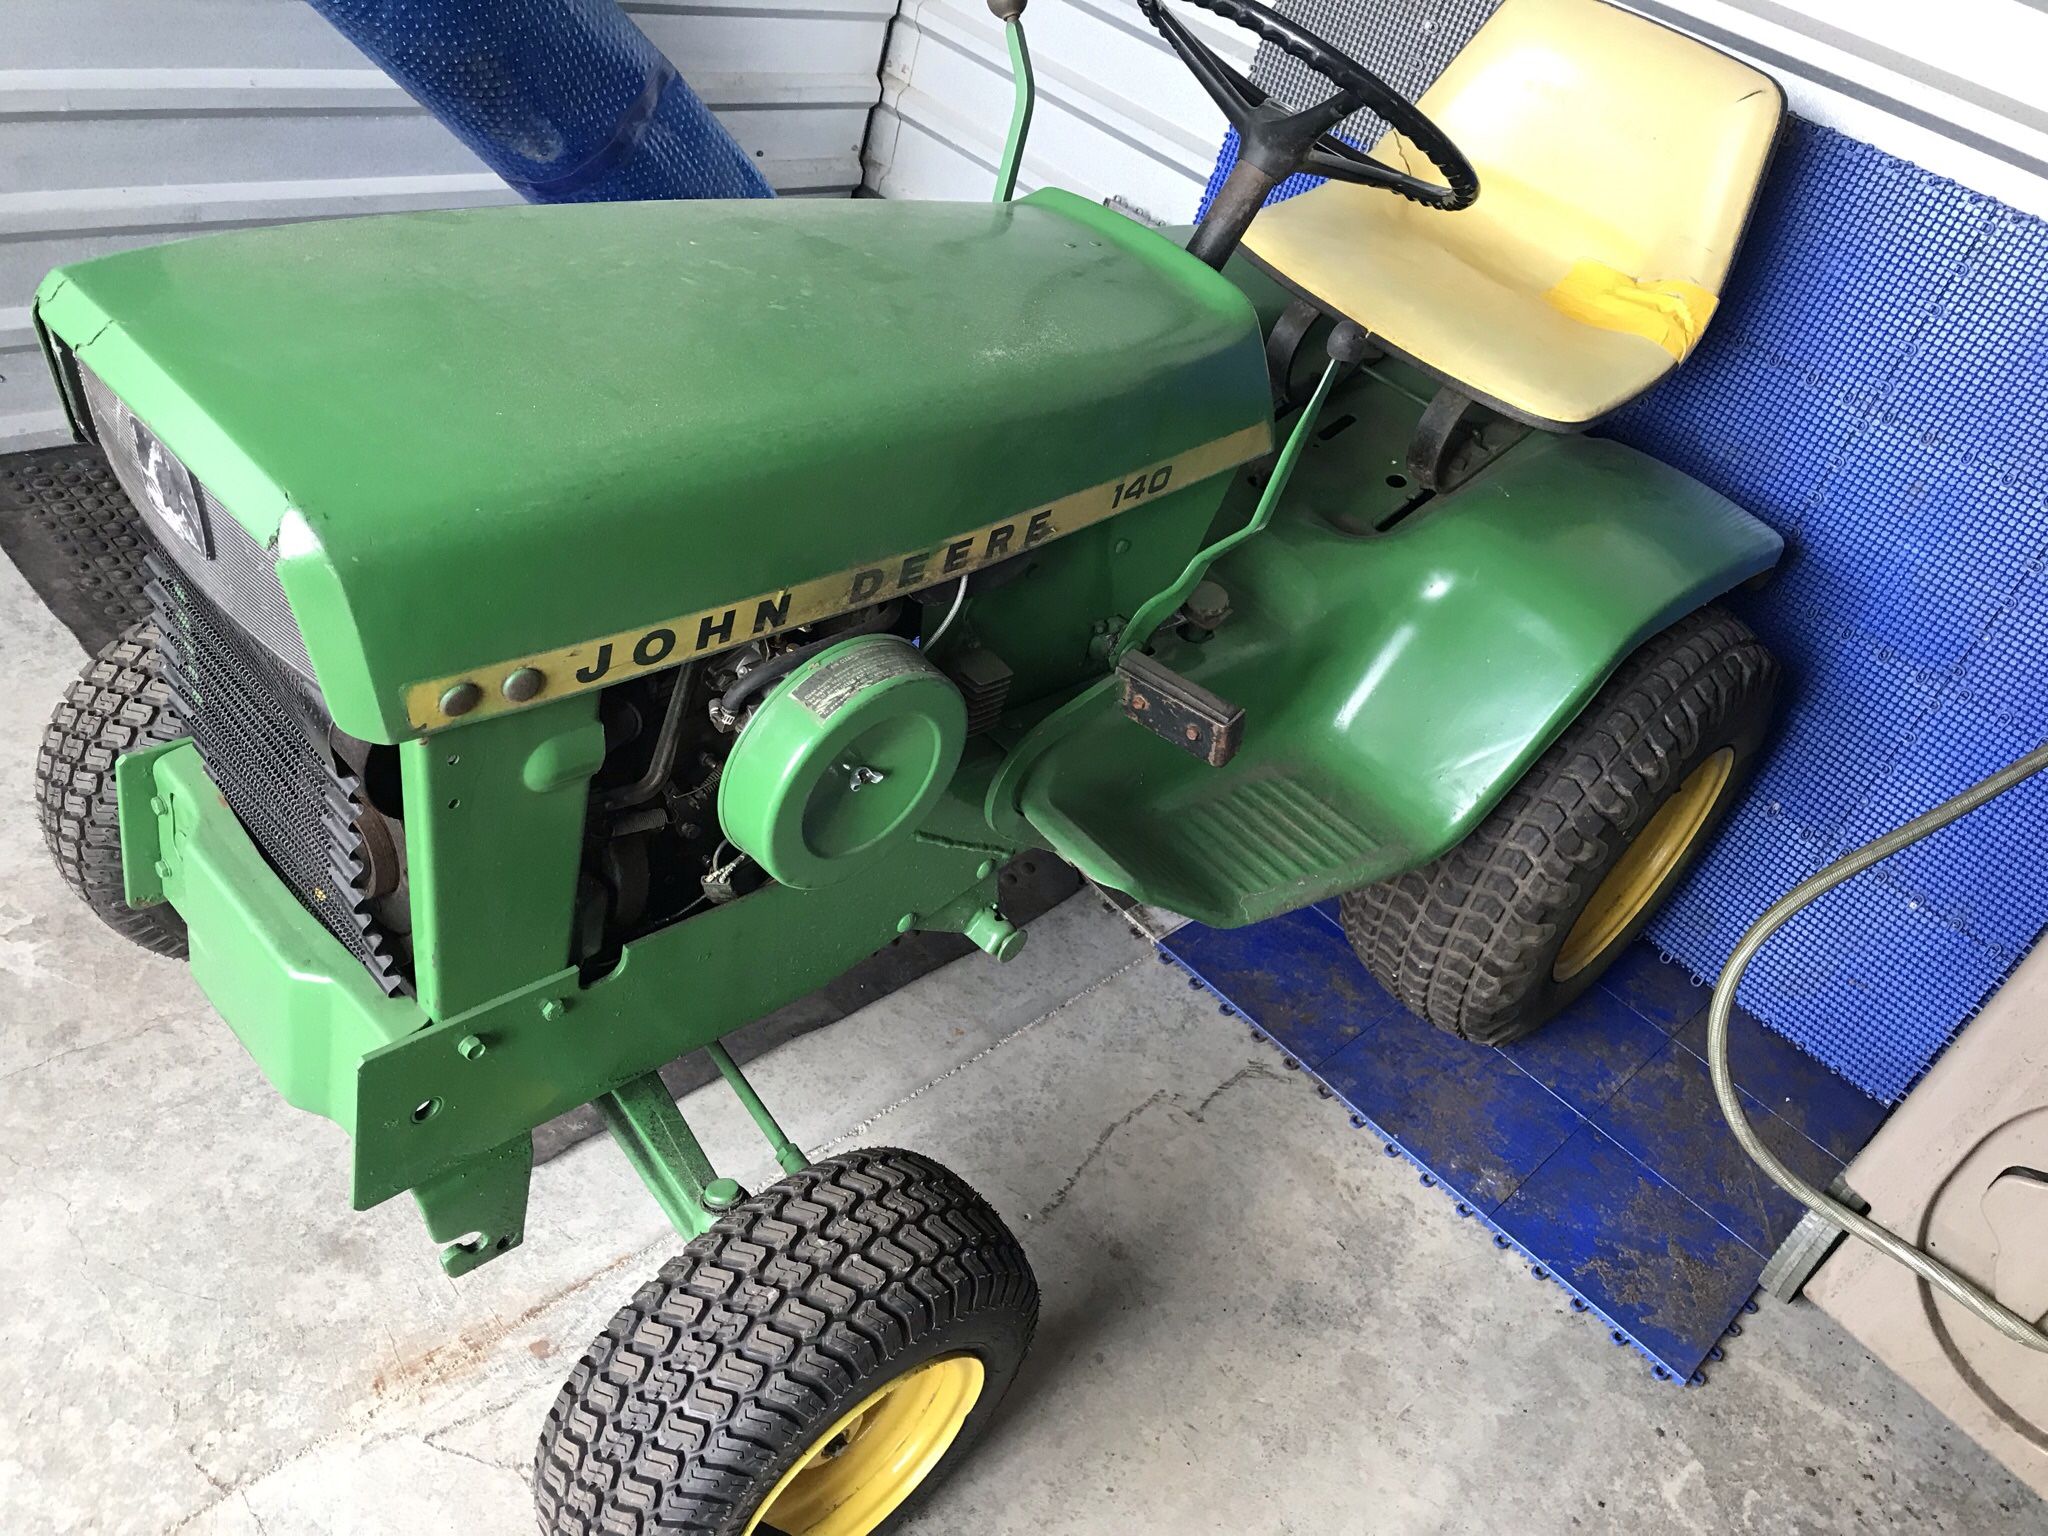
(1875, 387)
(567, 100)
(1594, 1148)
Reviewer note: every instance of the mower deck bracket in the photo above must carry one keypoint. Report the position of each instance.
(142, 812)
(658, 1142)
(477, 1209)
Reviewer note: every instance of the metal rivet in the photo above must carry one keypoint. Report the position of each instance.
(470, 1047)
(461, 699)
(553, 1010)
(722, 1195)
(906, 922)
(984, 869)
(156, 805)
(524, 684)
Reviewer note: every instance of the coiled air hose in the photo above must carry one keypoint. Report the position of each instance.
(1929, 1269)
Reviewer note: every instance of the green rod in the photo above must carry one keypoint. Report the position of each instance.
(1161, 605)
(787, 1152)
(1020, 114)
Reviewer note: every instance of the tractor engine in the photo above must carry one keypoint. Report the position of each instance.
(654, 851)
(591, 652)
(327, 809)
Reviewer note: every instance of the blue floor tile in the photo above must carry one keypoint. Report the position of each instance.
(1589, 1050)
(1480, 1122)
(1634, 1247)
(1832, 1111)
(1294, 976)
(1666, 1117)
(1661, 992)
(1595, 1144)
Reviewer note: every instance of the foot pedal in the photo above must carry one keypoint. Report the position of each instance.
(1177, 710)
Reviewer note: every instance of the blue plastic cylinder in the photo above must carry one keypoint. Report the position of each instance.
(565, 99)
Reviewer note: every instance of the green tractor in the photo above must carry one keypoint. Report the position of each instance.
(581, 629)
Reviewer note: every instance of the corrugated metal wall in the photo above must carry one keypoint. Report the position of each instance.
(124, 123)
(1118, 116)
(1955, 89)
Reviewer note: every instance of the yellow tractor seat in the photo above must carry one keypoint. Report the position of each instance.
(1617, 163)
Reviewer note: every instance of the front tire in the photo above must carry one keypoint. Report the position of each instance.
(119, 704)
(1491, 940)
(811, 1365)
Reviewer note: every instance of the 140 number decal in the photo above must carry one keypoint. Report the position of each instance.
(1141, 485)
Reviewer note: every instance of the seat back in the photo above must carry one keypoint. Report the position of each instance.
(1617, 162)
(1601, 137)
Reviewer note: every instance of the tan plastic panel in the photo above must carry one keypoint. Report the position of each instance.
(1961, 1168)
(1603, 142)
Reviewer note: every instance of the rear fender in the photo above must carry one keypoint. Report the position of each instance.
(1394, 685)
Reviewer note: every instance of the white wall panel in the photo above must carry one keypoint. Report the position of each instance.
(124, 123)
(1955, 88)
(1118, 116)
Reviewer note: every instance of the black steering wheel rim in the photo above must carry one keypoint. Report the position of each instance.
(1282, 143)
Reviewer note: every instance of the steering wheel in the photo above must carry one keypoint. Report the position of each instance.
(1275, 143)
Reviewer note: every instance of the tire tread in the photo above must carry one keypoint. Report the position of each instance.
(118, 704)
(711, 1379)
(1467, 941)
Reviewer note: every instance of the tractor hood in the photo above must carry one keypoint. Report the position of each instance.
(588, 433)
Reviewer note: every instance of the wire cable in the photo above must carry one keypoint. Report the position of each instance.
(1929, 1269)
(952, 613)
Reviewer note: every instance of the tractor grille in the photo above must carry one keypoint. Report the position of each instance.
(241, 682)
(234, 571)
(262, 732)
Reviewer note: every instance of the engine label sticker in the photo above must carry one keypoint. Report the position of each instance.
(829, 688)
(607, 659)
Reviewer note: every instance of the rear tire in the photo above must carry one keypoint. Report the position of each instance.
(1489, 941)
(119, 704)
(789, 1360)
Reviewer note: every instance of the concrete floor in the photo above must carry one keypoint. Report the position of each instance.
(1254, 1322)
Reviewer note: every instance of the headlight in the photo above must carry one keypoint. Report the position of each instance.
(213, 551)
(148, 471)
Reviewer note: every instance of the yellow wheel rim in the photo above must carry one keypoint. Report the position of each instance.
(861, 1469)
(1634, 883)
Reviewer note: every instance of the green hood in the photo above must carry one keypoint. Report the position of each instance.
(475, 437)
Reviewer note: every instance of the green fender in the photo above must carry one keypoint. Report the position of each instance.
(1394, 684)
